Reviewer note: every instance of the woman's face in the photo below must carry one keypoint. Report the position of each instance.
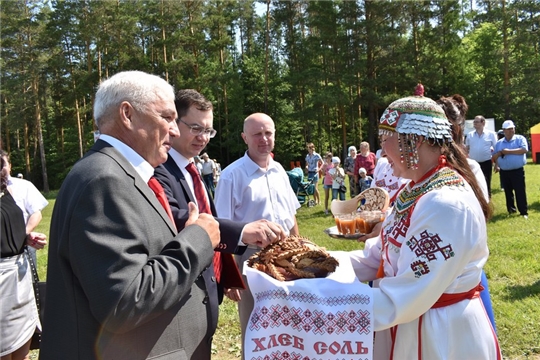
(364, 148)
(390, 146)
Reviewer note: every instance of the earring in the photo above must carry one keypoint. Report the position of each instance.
(411, 151)
(400, 147)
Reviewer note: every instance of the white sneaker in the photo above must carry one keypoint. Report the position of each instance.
(326, 212)
(525, 217)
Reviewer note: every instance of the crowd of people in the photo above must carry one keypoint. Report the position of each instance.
(165, 268)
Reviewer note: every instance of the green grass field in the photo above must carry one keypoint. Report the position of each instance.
(513, 270)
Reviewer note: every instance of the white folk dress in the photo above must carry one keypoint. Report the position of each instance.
(434, 243)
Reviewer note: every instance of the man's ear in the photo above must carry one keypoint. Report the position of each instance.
(244, 137)
(126, 112)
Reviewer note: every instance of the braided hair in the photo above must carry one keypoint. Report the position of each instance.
(455, 108)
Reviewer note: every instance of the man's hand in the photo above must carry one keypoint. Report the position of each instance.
(36, 240)
(262, 233)
(497, 155)
(233, 294)
(206, 221)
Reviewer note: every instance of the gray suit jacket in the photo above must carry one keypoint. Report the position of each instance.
(121, 284)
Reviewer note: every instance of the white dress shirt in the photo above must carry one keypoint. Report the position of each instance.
(246, 192)
(141, 166)
(481, 146)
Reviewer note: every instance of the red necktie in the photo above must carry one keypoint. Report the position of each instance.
(198, 187)
(160, 195)
(204, 207)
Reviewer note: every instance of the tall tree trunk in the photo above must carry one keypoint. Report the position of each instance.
(163, 36)
(7, 145)
(358, 98)
(62, 142)
(79, 125)
(370, 72)
(343, 121)
(39, 132)
(267, 51)
(26, 150)
(506, 50)
(225, 103)
(195, 50)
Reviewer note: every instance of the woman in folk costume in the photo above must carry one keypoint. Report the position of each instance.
(432, 248)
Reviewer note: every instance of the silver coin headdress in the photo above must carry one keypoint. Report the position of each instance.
(412, 117)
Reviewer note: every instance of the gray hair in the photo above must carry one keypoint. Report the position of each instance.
(136, 87)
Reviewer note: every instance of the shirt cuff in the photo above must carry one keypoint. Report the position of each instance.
(240, 242)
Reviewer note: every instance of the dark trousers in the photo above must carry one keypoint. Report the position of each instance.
(486, 167)
(514, 182)
(209, 181)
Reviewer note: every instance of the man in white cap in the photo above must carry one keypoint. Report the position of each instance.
(509, 158)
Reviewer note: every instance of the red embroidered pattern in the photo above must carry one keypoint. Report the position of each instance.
(400, 229)
(311, 298)
(278, 355)
(318, 322)
(420, 268)
(428, 246)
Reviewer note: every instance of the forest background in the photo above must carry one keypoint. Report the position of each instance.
(324, 70)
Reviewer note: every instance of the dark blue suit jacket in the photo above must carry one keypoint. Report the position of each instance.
(179, 195)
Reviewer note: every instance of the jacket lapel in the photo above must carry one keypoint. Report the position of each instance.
(138, 182)
(173, 168)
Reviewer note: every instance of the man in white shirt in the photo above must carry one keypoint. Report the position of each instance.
(254, 187)
(198, 163)
(28, 199)
(208, 172)
(480, 144)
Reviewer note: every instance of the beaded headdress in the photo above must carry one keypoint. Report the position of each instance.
(412, 117)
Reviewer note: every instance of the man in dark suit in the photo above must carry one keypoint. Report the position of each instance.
(122, 283)
(195, 120)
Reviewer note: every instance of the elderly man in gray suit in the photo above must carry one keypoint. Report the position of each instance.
(121, 282)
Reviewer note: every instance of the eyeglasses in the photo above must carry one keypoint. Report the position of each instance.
(199, 130)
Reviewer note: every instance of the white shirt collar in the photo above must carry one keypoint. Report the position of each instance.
(179, 159)
(182, 162)
(141, 166)
(252, 167)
